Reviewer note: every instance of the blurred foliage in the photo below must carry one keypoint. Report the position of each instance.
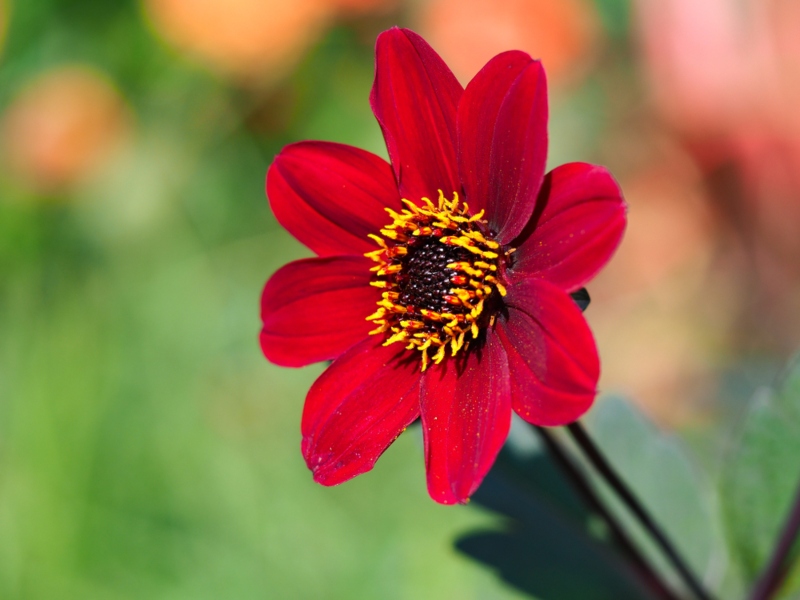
(616, 16)
(759, 482)
(548, 544)
(661, 472)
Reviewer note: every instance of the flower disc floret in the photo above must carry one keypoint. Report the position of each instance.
(439, 268)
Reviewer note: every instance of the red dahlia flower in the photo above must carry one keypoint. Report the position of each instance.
(441, 286)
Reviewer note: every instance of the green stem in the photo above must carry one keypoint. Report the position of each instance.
(615, 482)
(592, 499)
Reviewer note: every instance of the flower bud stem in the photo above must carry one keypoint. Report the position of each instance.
(592, 500)
(614, 481)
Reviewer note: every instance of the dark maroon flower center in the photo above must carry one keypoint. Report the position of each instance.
(439, 269)
(426, 279)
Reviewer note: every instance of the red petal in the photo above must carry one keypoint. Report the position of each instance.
(502, 141)
(415, 99)
(466, 415)
(552, 357)
(357, 408)
(577, 226)
(330, 196)
(315, 309)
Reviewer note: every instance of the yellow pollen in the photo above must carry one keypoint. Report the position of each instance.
(438, 267)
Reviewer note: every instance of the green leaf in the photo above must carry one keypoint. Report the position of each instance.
(540, 548)
(658, 469)
(761, 477)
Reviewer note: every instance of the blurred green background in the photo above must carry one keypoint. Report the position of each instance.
(147, 450)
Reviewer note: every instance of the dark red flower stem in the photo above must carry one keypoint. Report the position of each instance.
(776, 569)
(610, 476)
(618, 534)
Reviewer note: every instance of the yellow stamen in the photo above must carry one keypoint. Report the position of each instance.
(397, 337)
(415, 318)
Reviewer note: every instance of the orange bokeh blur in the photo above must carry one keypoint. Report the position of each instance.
(467, 33)
(240, 38)
(249, 40)
(61, 126)
(363, 6)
